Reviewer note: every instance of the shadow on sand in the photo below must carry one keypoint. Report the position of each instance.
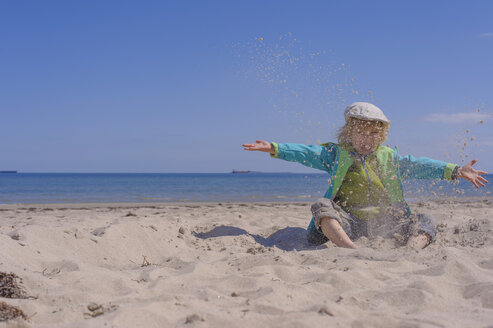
(287, 239)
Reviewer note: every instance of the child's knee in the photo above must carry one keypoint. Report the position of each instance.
(322, 208)
(426, 224)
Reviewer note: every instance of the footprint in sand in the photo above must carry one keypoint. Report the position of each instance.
(98, 232)
(481, 291)
(53, 268)
(486, 264)
(16, 235)
(180, 266)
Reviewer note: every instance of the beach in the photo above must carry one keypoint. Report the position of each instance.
(240, 264)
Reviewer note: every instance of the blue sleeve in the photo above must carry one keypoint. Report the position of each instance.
(314, 156)
(424, 168)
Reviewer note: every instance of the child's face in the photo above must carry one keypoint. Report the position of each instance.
(365, 139)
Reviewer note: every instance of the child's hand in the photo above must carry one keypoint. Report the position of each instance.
(261, 145)
(467, 172)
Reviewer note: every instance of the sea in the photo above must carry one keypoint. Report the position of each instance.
(50, 188)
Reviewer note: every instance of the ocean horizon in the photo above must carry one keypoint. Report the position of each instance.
(50, 188)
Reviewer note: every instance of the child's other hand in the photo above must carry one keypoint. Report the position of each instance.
(469, 173)
(260, 145)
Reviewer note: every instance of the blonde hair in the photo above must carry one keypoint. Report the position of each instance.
(345, 133)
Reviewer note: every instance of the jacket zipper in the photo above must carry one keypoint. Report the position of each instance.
(369, 188)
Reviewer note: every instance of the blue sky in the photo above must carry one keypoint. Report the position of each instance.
(156, 86)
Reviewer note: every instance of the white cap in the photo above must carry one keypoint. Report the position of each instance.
(365, 111)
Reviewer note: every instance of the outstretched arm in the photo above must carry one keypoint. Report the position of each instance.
(314, 156)
(425, 168)
(470, 174)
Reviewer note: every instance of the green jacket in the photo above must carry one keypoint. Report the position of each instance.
(383, 169)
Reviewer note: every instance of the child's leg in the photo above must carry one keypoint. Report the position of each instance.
(333, 222)
(333, 230)
(425, 232)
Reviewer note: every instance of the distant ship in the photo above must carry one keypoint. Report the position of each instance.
(8, 171)
(238, 171)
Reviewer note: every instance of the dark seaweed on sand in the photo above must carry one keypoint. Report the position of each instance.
(9, 287)
(8, 312)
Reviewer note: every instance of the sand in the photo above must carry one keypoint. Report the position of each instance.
(246, 265)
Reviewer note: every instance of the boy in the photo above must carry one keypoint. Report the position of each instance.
(365, 195)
